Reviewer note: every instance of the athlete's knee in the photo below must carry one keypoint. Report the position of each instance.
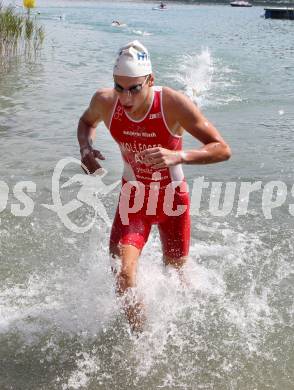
(124, 265)
(114, 250)
(125, 279)
(123, 270)
(176, 262)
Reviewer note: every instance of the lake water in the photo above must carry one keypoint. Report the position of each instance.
(60, 324)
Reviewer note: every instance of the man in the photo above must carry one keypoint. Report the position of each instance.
(148, 122)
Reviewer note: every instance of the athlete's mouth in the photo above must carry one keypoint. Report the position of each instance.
(127, 108)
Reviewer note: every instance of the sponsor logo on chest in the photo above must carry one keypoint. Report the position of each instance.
(141, 134)
(157, 115)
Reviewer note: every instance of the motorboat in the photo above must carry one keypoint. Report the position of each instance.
(240, 3)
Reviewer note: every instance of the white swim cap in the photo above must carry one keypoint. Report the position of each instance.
(133, 60)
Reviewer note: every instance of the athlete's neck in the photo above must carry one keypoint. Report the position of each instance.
(144, 108)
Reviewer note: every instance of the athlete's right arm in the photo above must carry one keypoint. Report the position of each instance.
(86, 131)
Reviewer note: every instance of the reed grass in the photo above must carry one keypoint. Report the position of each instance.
(20, 36)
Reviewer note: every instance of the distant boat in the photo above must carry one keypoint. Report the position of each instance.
(279, 13)
(240, 3)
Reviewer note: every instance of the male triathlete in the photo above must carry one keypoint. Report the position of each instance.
(148, 122)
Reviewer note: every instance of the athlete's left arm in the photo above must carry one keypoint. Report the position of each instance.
(187, 114)
(214, 149)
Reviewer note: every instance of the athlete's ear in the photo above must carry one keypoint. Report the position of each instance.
(151, 80)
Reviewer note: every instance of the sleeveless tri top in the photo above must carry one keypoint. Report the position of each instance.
(135, 136)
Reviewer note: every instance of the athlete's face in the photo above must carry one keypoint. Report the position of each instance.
(133, 92)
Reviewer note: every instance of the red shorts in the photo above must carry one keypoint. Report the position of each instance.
(174, 230)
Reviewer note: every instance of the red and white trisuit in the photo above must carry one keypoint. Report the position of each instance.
(158, 206)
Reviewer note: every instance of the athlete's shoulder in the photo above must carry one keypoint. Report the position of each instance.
(100, 106)
(103, 97)
(173, 97)
(102, 102)
(175, 100)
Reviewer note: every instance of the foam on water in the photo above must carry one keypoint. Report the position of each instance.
(63, 297)
(216, 324)
(143, 33)
(206, 80)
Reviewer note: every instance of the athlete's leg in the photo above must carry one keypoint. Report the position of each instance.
(175, 236)
(126, 243)
(125, 276)
(125, 271)
(177, 264)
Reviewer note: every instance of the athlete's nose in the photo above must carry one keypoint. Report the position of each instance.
(125, 97)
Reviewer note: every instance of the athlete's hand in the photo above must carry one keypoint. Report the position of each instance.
(161, 157)
(88, 159)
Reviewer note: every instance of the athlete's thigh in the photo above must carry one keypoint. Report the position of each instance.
(135, 233)
(175, 232)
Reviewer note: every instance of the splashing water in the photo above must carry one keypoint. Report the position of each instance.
(206, 80)
(195, 73)
(143, 33)
(221, 324)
